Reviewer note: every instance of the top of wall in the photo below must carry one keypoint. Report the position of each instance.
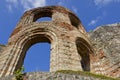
(66, 75)
(1, 47)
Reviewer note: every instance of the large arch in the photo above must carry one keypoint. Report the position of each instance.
(28, 43)
(61, 32)
(29, 37)
(37, 58)
(25, 42)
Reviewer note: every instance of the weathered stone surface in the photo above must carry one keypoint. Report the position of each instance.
(53, 76)
(106, 43)
(70, 46)
(1, 48)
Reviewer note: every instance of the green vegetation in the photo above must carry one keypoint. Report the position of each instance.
(90, 31)
(19, 73)
(87, 74)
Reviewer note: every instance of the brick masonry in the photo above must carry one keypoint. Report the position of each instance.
(71, 48)
(64, 33)
(52, 76)
(106, 43)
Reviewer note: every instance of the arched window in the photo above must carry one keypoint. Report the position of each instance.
(44, 19)
(83, 51)
(74, 20)
(37, 58)
(35, 55)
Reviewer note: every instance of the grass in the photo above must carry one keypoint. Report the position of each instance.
(87, 74)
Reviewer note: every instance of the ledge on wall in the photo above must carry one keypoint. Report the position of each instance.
(62, 75)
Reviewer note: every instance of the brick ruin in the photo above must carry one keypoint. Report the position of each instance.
(71, 48)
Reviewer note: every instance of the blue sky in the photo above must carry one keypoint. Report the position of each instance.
(92, 13)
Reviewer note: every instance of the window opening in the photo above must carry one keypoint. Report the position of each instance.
(37, 58)
(44, 19)
(83, 51)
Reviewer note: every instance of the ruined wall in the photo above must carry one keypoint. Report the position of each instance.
(70, 46)
(57, 76)
(2, 56)
(106, 43)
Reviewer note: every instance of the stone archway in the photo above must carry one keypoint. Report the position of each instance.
(38, 39)
(37, 58)
(26, 41)
(61, 32)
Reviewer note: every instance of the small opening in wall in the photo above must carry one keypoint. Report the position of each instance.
(74, 20)
(43, 19)
(37, 58)
(83, 51)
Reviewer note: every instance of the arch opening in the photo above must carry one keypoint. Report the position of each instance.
(40, 14)
(43, 19)
(83, 51)
(35, 40)
(74, 20)
(37, 58)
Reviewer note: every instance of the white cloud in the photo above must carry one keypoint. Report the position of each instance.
(94, 21)
(74, 9)
(104, 2)
(12, 1)
(27, 4)
(97, 19)
(9, 7)
(60, 3)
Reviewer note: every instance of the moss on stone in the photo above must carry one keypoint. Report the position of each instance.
(86, 74)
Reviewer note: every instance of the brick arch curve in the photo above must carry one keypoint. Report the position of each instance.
(26, 44)
(84, 50)
(23, 43)
(57, 13)
(48, 11)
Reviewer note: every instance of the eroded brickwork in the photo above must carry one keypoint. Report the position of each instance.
(70, 45)
(65, 32)
(106, 43)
